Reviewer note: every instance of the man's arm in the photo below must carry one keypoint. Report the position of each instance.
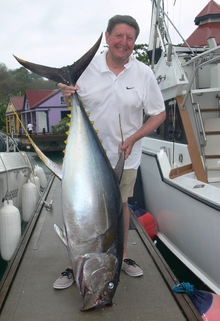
(151, 124)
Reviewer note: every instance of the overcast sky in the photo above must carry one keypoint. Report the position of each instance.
(58, 32)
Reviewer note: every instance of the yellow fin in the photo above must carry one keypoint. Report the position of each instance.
(55, 168)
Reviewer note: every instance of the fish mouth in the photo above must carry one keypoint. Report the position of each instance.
(91, 301)
(97, 280)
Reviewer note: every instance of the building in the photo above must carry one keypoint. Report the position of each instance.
(208, 22)
(43, 108)
(12, 123)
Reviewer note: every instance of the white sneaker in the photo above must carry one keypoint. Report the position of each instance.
(131, 268)
(65, 280)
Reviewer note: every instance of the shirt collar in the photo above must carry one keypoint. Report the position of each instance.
(104, 66)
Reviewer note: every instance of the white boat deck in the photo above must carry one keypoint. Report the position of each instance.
(32, 297)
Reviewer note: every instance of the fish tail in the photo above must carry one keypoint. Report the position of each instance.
(67, 74)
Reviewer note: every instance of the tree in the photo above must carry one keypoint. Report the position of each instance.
(15, 82)
(3, 71)
(2, 117)
(140, 52)
(62, 127)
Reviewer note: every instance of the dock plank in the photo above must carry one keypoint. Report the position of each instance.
(33, 298)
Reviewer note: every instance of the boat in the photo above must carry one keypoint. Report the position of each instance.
(180, 168)
(22, 183)
(8, 143)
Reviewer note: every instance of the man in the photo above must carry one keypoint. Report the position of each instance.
(114, 84)
(30, 128)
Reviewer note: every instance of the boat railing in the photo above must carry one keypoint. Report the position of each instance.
(199, 124)
(166, 150)
(189, 87)
(161, 32)
(200, 130)
(167, 33)
(10, 143)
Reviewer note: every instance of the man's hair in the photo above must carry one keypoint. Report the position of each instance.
(128, 20)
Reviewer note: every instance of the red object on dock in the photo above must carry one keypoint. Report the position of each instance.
(149, 223)
(213, 313)
(206, 303)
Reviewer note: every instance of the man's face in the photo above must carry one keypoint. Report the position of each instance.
(121, 41)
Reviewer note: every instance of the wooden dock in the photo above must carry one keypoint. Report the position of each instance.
(27, 293)
(46, 143)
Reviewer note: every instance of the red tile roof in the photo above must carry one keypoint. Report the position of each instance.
(209, 26)
(37, 97)
(199, 37)
(212, 8)
(17, 102)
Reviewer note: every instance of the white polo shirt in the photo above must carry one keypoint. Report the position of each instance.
(107, 96)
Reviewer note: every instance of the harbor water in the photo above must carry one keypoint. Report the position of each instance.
(56, 157)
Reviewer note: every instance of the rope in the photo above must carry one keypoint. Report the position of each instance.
(47, 205)
(184, 287)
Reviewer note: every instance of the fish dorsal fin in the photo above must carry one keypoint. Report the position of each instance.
(119, 168)
(120, 164)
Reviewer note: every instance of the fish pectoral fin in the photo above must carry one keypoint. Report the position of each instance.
(61, 234)
(108, 237)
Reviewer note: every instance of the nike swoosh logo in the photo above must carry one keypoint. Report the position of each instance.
(129, 87)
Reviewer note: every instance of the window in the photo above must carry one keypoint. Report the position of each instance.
(64, 114)
(62, 101)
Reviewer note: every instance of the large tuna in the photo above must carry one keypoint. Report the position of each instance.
(91, 201)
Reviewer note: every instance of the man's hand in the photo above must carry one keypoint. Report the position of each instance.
(67, 91)
(127, 146)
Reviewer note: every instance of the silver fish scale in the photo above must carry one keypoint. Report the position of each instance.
(89, 186)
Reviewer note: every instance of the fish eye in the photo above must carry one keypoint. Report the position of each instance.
(111, 286)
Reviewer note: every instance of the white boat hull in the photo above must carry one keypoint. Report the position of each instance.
(188, 218)
(15, 169)
(18, 196)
